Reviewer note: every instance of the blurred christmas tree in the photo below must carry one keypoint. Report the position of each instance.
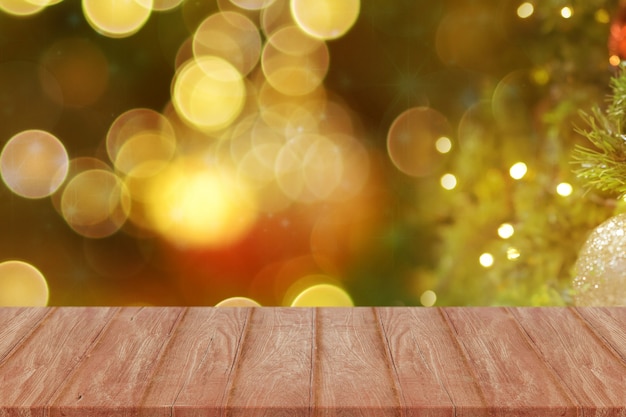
(506, 221)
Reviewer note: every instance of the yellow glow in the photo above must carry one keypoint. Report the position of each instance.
(448, 181)
(566, 12)
(525, 10)
(21, 7)
(614, 60)
(208, 93)
(230, 36)
(117, 18)
(45, 3)
(194, 205)
(602, 16)
(564, 189)
(21, 284)
(238, 302)
(428, 298)
(443, 145)
(540, 76)
(518, 170)
(323, 295)
(486, 260)
(34, 164)
(506, 230)
(512, 254)
(325, 19)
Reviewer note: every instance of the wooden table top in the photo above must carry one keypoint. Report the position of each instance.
(387, 361)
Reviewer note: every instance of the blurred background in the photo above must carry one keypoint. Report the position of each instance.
(303, 152)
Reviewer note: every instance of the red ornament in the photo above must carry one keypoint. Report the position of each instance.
(617, 35)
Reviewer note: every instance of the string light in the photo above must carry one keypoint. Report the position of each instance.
(448, 181)
(486, 260)
(566, 12)
(525, 10)
(564, 189)
(506, 230)
(518, 170)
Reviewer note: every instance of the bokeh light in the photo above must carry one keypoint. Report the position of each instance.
(448, 181)
(230, 36)
(95, 203)
(34, 164)
(21, 284)
(428, 298)
(525, 10)
(512, 254)
(518, 170)
(140, 141)
(238, 302)
(412, 138)
(21, 7)
(294, 63)
(208, 93)
(325, 19)
(443, 145)
(486, 260)
(566, 12)
(564, 189)
(506, 230)
(117, 18)
(323, 295)
(252, 4)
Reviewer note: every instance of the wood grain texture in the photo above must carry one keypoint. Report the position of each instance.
(273, 372)
(114, 374)
(583, 362)
(513, 378)
(433, 375)
(251, 362)
(205, 392)
(66, 335)
(15, 325)
(352, 372)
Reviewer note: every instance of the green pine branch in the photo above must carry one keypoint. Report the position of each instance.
(604, 166)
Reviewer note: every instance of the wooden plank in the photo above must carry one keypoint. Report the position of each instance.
(610, 325)
(514, 380)
(189, 346)
(40, 366)
(273, 372)
(352, 372)
(16, 323)
(113, 377)
(205, 392)
(433, 375)
(594, 376)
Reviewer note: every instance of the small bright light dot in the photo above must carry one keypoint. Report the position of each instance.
(443, 145)
(566, 12)
(614, 60)
(448, 181)
(518, 170)
(486, 260)
(525, 10)
(512, 254)
(564, 189)
(506, 230)
(428, 298)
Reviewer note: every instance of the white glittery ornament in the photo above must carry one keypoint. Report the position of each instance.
(601, 266)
